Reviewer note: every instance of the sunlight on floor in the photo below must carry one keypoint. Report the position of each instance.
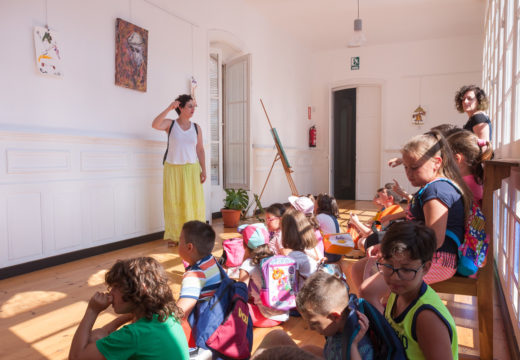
(25, 301)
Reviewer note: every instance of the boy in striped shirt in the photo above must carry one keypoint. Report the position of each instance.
(202, 276)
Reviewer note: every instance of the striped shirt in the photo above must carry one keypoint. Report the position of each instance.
(201, 280)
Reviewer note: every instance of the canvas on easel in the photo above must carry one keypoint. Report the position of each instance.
(280, 155)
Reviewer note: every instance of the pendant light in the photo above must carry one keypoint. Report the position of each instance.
(359, 37)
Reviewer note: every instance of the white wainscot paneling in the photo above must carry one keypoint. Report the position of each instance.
(155, 202)
(125, 210)
(103, 161)
(67, 219)
(102, 213)
(37, 160)
(148, 160)
(367, 184)
(24, 227)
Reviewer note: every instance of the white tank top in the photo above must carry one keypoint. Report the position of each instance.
(182, 145)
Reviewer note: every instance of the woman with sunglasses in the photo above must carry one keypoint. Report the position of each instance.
(184, 168)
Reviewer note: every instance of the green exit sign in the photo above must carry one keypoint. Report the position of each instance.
(354, 63)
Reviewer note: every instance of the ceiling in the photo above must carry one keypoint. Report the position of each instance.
(329, 24)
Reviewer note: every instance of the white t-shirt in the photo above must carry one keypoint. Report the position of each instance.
(255, 283)
(182, 145)
(306, 264)
(327, 225)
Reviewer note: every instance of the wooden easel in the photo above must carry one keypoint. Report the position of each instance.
(280, 155)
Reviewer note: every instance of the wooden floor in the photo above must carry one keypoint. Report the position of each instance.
(40, 311)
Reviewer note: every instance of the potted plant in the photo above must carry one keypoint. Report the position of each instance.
(235, 202)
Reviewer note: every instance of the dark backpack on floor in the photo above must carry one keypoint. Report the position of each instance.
(380, 340)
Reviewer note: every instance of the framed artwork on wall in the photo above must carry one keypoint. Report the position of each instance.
(48, 58)
(131, 55)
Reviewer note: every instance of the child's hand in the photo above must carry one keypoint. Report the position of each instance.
(363, 324)
(395, 162)
(374, 251)
(100, 301)
(398, 189)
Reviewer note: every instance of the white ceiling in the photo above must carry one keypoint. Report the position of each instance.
(329, 24)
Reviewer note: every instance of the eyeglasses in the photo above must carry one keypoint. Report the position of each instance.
(403, 273)
(190, 106)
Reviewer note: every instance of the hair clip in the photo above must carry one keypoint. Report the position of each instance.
(481, 142)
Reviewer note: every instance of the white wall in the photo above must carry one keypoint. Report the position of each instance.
(426, 73)
(81, 165)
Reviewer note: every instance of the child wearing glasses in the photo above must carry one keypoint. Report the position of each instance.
(414, 310)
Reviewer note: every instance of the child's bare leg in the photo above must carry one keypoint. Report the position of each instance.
(354, 273)
(373, 289)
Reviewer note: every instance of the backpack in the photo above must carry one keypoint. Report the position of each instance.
(279, 282)
(168, 139)
(234, 251)
(473, 249)
(380, 341)
(222, 324)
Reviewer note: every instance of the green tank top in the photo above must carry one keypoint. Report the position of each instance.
(404, 324)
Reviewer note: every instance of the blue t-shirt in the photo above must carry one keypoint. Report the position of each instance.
(450, 196)
(336, 346)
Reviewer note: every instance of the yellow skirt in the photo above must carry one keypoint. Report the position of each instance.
(183, 198)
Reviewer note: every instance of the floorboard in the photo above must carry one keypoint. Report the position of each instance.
(40, 311)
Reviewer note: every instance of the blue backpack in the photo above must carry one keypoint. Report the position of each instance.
(222, 324)
(380, 340)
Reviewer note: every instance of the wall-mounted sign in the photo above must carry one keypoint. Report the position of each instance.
(354, 63)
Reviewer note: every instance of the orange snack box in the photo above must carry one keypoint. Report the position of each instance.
(341, 244)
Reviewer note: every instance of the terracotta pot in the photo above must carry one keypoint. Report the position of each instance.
(231, 217)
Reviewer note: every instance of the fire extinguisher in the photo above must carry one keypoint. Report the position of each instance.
(312, 136)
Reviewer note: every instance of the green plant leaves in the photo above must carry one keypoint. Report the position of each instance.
(236, 199)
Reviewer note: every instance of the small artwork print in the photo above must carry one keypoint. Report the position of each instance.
(131, 55)
(48, 57)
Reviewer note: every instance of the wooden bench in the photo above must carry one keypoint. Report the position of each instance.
(483, 287)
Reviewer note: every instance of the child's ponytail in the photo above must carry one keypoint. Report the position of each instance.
(259, 253)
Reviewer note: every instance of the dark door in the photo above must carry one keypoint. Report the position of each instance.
(345, 144)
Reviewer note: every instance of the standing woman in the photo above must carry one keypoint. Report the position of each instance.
(184, 168)
(473, 101)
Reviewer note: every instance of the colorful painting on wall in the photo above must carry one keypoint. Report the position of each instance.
(48, 58)
(131, 55)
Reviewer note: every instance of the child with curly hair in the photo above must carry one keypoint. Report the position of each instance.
(139, 292)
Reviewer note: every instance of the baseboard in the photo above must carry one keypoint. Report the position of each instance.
(514, 351)
(30, 266)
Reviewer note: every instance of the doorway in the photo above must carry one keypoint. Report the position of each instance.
(345, 144)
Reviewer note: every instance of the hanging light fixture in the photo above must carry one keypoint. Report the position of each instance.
(359, 38)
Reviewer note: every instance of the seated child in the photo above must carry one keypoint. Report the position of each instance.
(414, 310)
(299, 240)
(273, 216)
(388, 202)
(202, 276)
(327, 217)
(139, 291)
(470, 152)
(256, 248)
(305, 204)
(323, 303)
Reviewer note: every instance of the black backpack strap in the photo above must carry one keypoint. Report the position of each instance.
(196, 128)
(168, 141)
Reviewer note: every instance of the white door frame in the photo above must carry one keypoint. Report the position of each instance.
(349, 84)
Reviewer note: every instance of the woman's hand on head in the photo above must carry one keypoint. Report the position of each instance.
(100, 301)
(174, 105)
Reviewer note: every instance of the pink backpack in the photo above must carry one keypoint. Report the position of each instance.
(234, 249)
(279, 282)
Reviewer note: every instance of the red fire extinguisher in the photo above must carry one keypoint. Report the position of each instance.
(312, 136)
